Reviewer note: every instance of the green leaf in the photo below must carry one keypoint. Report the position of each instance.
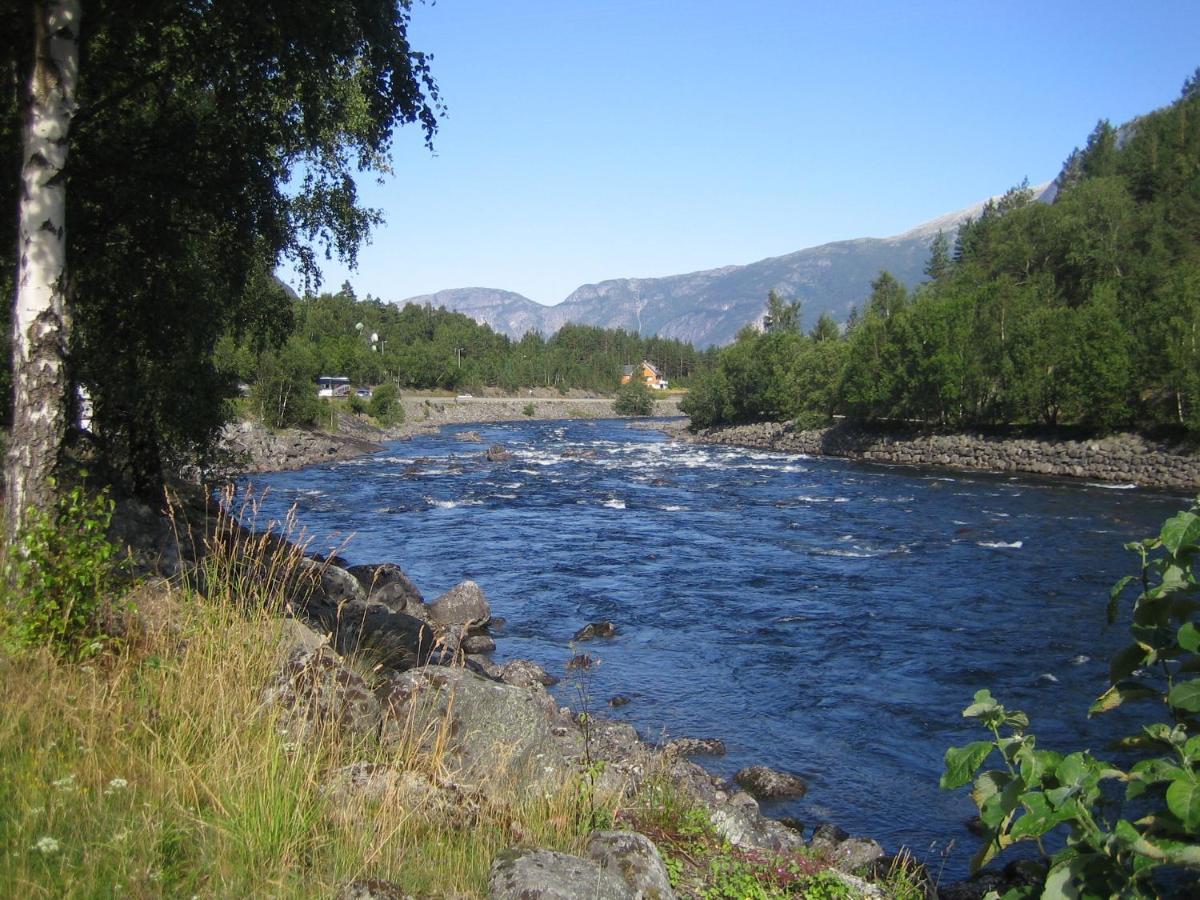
(961, 763)
(1038, 818)
(1186, 695)
(1036, 763)
(1183, 799)
(1060, 881)
(1120, 693)
(1000, 806)
(983, 705)
(1114, 597)
(1182, 529)
(987, 785)
(1189, 637)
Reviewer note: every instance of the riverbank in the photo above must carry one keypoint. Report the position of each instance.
(1116, 459)
(329, 732)
(251, 447)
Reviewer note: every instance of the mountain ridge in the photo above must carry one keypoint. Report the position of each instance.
(709, 306)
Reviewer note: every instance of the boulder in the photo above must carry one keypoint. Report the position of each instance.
(550, 875)
(314, 690)
(770, 784)
(739, 821)
(635, 859)
(686, 746)
(387, 584)
(470, 437)
(524, 672)
(856, 853)
(497, 453)
(619, 700)
(371, 889)
(604, 629)
(478, 643)
(395, 641)
(461, 604)
(490, 730)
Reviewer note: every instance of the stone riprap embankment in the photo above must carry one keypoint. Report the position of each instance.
(253, 448)
(1121, 459)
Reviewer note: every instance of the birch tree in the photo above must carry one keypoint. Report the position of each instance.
(39, 320)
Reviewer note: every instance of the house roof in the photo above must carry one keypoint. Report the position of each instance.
(627, 370)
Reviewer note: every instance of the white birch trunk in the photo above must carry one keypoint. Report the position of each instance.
(39, 319)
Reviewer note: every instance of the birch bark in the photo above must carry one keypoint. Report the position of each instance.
(39, 319)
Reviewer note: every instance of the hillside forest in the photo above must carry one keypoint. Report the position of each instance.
(1080, 312)
(421, 347)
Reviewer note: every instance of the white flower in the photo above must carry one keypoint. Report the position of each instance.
(116, 784)
(65, 784)
(46, 845)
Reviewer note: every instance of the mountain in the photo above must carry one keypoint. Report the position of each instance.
(709, 307)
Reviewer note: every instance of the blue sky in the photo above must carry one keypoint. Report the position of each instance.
(591, 140)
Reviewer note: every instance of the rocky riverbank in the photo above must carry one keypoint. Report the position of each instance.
(1119, 459)
(249, 446)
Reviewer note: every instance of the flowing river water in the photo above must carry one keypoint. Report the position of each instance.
(821, 616)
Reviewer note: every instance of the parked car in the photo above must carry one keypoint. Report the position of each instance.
(365, 393)
(464, 397)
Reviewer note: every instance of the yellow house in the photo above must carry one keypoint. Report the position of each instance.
(647, 372)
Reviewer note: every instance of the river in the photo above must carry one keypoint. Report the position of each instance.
(821, 616)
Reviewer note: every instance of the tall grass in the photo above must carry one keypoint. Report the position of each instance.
(155, 769)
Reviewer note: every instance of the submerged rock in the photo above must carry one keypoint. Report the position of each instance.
(497, 453)
(603, 629)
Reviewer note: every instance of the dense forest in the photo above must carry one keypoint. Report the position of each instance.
(373, 342)
(1084, 311)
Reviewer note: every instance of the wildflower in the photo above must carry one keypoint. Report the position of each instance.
(116, 784)
(65, 784)
(46, 845)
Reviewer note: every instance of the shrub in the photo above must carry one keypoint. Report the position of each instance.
(1114, 845)
(284, 393)
(634, 399)
(529, 409)
(59, 573)
(357, 404)
(385, 405)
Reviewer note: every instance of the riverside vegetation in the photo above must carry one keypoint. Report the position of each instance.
(186, 737)
(1082, 312)
(1131, 829)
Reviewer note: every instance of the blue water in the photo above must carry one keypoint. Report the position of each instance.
(820, 616)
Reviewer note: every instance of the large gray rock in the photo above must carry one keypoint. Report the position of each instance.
(395, 641)
(461, 604)
(339, 585)
(492, 730)
(635, 859)
(387, 584)
(549, 875)
(524, 673)
(314, 690)
(739, 821)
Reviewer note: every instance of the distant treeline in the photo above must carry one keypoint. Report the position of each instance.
(1084, 311)
(373, 342)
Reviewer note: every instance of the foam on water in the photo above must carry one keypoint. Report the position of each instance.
(1001, 545)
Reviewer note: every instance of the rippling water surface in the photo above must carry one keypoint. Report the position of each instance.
(820, 616)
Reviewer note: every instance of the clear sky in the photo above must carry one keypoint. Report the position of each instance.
(589, 140)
